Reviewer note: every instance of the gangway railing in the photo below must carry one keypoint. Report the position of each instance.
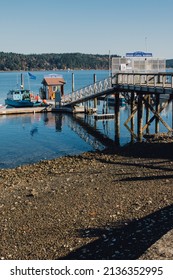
(89, 92)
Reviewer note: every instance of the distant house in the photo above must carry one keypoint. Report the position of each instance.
(52, 84)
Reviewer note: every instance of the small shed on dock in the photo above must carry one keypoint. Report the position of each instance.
(51, 84)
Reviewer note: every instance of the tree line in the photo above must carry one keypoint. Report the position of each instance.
(13, 61)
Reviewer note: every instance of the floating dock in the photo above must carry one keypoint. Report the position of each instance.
(10, 111)
(74, 110)
(104, 116)
(26, 110)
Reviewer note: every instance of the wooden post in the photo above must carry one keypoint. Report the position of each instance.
(172, 110)
(132, 105)
(147, 113)
(95, 99)
(164, 80)
(72, 82)
(157, 110)
(117, 118)
(140, 113)
(22, 82)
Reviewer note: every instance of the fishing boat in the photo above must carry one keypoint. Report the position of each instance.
(21, 98)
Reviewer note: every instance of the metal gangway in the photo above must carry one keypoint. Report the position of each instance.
(89, 92)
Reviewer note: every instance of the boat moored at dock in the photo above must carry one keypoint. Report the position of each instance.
(21, 98)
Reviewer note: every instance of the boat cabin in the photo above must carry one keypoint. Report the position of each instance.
(21, 94)
(51, 84)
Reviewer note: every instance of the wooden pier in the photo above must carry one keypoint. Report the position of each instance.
(146, 88)
(141, 88)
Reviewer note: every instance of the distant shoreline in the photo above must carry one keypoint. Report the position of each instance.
(51, 62)
(63, 70)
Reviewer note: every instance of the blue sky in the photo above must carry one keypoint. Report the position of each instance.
(87, 26)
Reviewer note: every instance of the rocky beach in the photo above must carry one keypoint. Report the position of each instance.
(114, 204)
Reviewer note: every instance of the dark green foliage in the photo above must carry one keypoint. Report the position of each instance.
(14, 61)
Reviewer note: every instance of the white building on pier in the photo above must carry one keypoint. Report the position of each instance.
(138, 62)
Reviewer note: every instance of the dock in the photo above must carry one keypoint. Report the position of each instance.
(104, 117)
(26, 110)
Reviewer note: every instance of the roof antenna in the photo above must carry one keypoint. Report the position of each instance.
(146, 44)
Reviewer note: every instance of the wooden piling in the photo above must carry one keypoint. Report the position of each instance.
(172, 111)
(132, 106)
(95, 99)
(157, 111)
(117, 118)
(72, 82)
(147, 112)
(22, 81)
(140, 115)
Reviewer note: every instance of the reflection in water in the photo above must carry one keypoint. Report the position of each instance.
(85, 132)
(85, 128)
(58, 122)
(51, 135)
(45, 118)
(33, 131)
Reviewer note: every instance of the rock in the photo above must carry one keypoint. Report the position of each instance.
(32, 192)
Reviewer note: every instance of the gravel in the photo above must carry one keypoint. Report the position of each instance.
(114, 204)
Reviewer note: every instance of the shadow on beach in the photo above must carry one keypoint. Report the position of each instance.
(127, 242)
(162, 150)
(157, 156)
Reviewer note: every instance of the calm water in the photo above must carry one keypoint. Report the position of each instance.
(30, 138)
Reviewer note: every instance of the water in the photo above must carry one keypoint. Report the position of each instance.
(30, 138)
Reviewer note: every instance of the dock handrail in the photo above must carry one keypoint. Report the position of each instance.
(159, 79)
(87, 92)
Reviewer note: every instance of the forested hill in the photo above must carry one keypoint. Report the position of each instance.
(13, 61)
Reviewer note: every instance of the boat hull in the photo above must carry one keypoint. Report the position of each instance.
(111, 101)
(21, 103)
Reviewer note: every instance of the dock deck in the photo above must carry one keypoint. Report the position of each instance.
(104, 116)
(10, 111)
